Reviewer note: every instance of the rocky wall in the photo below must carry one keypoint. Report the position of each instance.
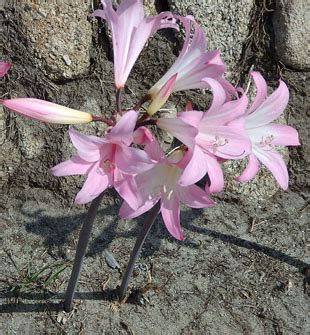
(62, 56)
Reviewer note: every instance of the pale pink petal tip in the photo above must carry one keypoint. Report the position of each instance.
(4, 68)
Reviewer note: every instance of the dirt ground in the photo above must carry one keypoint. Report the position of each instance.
(243, 268)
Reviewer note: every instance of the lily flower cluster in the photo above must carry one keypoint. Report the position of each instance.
(129, 157)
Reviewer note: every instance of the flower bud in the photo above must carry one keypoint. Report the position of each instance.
(45, 111)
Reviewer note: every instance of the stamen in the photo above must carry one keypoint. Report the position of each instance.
(106, 167)
(266, 142)
(219, 142)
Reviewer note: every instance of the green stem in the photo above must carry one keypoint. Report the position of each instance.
(80, 252)
(137, 249)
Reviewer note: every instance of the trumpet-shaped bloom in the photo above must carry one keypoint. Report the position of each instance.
(194, 63)
(107, 162)
(215, 139)
(4, 68)
(130, 31)
(265, 135)
(161, 183)
(45, 111)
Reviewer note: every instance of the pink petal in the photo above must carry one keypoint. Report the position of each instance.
(219, 95)
(126, 212)
(274, 134)
(261, 91)
(275, 164)
(196, 169)
(122, 132)
(222, 141)
(142, 136)
(192, 118)
(73, 166)
(154, 151)
(88, 146)
(132, 9)
(215, 174)
(179, 129)
(126, 187)
(194, 197)
(94, 185)
(227, 113)
(271, 108)
(4, 68)
(251, 170)
(170, 211)
(132, 160)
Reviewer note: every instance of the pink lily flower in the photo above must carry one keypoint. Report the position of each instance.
(265, 135)
(46, 111)
(4, 68)
(161, 183)
(215, 139)
(194, 63)
(107, 162)
(130, 31)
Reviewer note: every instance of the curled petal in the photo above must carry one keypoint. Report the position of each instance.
(270, 109)
(196, 168)
(251, 170)
(219, 95)
(275, 164)
(215, 174)
(228, 112)
(194, 61)
(261, 91)
(170, 211)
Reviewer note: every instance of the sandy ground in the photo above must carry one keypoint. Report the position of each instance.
(240, 270)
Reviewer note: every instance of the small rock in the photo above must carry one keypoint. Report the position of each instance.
(291, 28)
(67, 60)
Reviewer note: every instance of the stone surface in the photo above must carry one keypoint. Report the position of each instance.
(291, 27)
(57, 35)
(226, 24)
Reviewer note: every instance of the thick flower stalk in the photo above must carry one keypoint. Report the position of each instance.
(46, 111)
(265, 136)
(4, 68)
(130, 32)
(161, 183)
(107, 162)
